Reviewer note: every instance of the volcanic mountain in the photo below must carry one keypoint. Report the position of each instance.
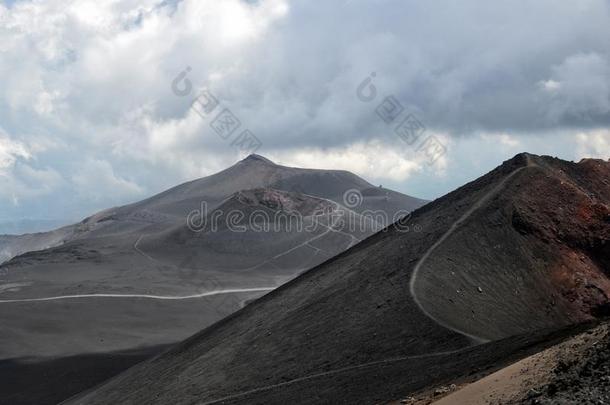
(497, 263)
(170, 208)
(147, 274)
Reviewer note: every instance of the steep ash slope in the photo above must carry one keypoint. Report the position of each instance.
(536, 254)
(351, 331)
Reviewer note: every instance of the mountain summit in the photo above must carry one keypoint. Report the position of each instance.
(257, 158)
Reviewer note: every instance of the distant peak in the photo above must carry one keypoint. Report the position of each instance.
(522, 159)
(257, 158)
(525, 156)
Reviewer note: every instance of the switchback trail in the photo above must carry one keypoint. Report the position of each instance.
(439, 242)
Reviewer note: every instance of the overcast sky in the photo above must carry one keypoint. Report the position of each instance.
(96, 95)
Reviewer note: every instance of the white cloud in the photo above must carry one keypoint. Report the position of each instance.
(10, 151)
(507, 141)
(580, 87)
(96, 177)
(373, 160)
(90, 81)
(19, 179)
(594, 144)
(550, 85)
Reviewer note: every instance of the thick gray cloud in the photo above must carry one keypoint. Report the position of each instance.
(88, 118)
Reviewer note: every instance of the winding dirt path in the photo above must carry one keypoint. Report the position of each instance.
(422, 262)
(145, 296)
(326, 374)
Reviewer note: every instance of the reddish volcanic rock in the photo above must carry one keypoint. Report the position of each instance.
(566, 205)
